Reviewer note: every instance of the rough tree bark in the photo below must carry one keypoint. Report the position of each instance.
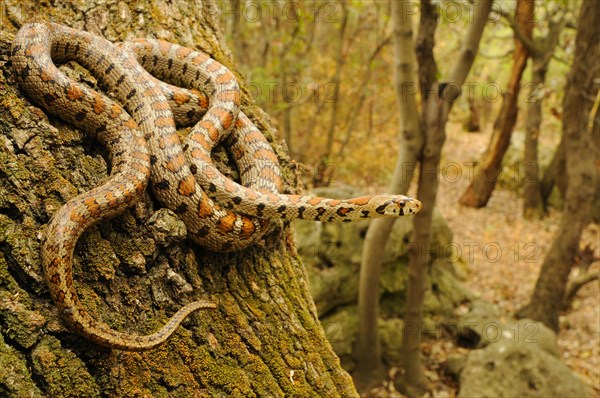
(581, 154)
(134, 271)
(486, 175)
(417, 143)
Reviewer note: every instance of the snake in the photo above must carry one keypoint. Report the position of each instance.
(156, 85)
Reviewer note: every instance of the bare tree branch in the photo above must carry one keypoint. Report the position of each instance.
(529, 44)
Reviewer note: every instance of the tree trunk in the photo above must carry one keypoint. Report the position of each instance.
(369, 368)
(438, 99)
(533, 206)
(532, 199)
(541, 54)
(555, 175)
(264, 340)
(582, 170)
(473, 124)
(418, 142)
(584, 259)
(484, 181)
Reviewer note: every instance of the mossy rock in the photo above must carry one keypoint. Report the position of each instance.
(519, 364)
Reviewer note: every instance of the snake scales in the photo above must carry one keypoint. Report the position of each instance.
(143, 146)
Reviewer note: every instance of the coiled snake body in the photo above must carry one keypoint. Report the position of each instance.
(144, 145)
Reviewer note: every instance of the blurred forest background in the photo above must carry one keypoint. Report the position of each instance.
(325, 72)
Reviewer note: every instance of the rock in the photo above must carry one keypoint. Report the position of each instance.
(519, 365)
(527, 331)
(341, 328)
(477, 327)
(391, 335)
(455, 364)
(332, 255)
(446, 292)
(480, 326)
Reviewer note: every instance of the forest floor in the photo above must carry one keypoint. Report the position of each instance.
(504, 254)
(509, 251)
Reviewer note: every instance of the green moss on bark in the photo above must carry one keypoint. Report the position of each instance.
(264, 338)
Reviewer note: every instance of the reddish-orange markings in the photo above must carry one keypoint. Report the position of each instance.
(230, 186)
(225, 118)
(74, 92)
(176, 163)
(152, 91)
(213, 66)
(202, 98)
(35, 49)
(211, 129)
(228, 96)
(187, 186)
(200, 58)
(200, 140)
(201, 155)
(314, 201)
(183, 52)
(164, 46)
(160, 106)
(167, 141)
(247, 229)
(225, 77)
(363, 200)
(130, 124)
(115, 111)
(294, 198)
(46, 77)
(343, 211)
(164, 121)
(227, 223)
(204, 209)
(181, 97)
(98, 104)
(265, 155)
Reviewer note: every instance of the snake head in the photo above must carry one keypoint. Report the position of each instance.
(399, 205)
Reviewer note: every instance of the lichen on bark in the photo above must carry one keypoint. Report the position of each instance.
(263, 340)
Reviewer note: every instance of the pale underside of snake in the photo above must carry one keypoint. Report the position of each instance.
(144, 145)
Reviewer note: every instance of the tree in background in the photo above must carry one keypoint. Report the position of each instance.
(268, 34)
(581, 148)
(490, 166)
(421, 139)
(541, 50)
(369, 368)
(317, 67)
